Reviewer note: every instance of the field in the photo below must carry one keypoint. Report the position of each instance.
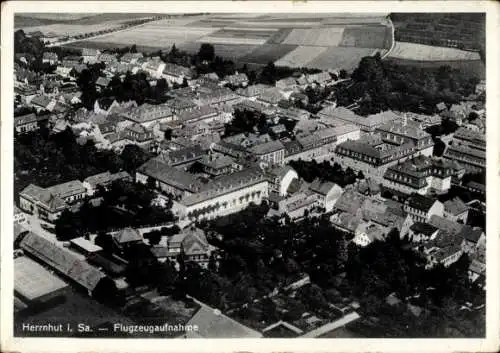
(344, 57)
(267, 52)
(41, 20)
(286, 39)
(300, 56)
(70, 29)
(422, 52)
(471, 67)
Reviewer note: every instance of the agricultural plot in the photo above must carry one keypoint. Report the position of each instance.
(234, 40)
(367, 37)
(155, 36)
(254, 33)
(474, 68)
(340, 58)
(300, 56)
(226, 51)
(323, 36)
(422, 52)
(267, 52)
(70, 29)
(279, 36)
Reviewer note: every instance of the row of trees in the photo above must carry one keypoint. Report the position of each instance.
(310, 170)
(47, 159)
(380, 85)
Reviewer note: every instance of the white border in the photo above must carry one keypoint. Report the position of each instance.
(490, 344)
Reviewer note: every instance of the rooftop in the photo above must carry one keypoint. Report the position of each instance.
(161, 171)
(421, 202)
(455, 206)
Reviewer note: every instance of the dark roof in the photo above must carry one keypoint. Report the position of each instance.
(420, 202)
(471, 234)
(455, 206)
(423, 228)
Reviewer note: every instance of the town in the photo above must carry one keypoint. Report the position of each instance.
(176, 188)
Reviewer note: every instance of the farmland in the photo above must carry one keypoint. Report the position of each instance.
(422, 52)
(286, 39)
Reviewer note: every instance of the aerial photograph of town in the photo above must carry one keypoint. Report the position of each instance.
(260, 175)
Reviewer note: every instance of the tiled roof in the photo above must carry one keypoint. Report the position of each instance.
(447, 225)
(177, 70)
(148, 112)
(217, 162)
(90, 52)
(423, 228)
(213, 324)
(63, 260)
(159, 170)
(411, 128)
(41, 100)
(271, 95)
(253, 90)
(195, 242)
(420, 202)
(471, 234)
(67, 189)
(37, 194)
(127, 235)
(197, 114)
(350, 201)
(323, 187)
(455, 206)
(182, 155)
(267, 147)
(103, 81)
(180, 103)
(106, 177)
(24, 119)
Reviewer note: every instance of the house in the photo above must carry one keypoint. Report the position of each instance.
(50, 57)
(446, 256)
(176, 74)
(43, 103)
(195, 247)
(321, 78)
(168, 179)
(25, 123)
(107, 58)
(90, 56)
(456, 210)
(224, 195)
(131, 58)
(84, 246)
(102, 83)
(469, 149)
(105, 105)
(271, 152)
(367, 232)
(237, 80)
(472, 239)
(217, 164)
(280, 179)
(286, 84)
(154, 67)
(252, 92)
(476, 187)
(64, 261)
(213, 324)
(104, 179)
(422, 208)
(270, 97)
(48, 203)
(327, 192)
(419, 175)
(126, 238)
(149, 115)
(422, 232)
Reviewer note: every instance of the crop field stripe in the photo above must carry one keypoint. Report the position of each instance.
(422, 52)
(329, 36)
(300, 56)
(340, 58)
(267, 52)
(222, 40)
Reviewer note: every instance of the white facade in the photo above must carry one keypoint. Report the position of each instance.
(224, 204)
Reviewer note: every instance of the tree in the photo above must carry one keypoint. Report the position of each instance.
(343, 74)
(105, 241)
(133, 157)
(439, 147)
(268, 74)
(206, 52)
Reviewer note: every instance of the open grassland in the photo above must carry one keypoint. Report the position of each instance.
(422, 52)
(253, 33)
(71, 29)
(28, 20)
(300, 56)
(340, 58)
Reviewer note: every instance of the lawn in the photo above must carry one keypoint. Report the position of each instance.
(367, 37)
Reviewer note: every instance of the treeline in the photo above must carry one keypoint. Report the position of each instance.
(47, 159)
(381, 85)
(310, 170)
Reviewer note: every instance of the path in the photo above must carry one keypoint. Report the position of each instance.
(393, 44)
(332, 325)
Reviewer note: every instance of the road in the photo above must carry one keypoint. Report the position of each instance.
(33, 224)
(332, 325)
(393, 30)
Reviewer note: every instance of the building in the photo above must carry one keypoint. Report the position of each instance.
(65, 262)
(473, 238)
(224, 195)
(176, 74)
(125, 238)
(148, 115)
(327, 193)
(25, 123)
(180, 105)
(252, 92)
(335, 116)
(406, 131)
(280, 179)
(422, 208)
(271, 152)
(107, 58)
(418, 175)
(216, 164)
(182, 156)
(105, 105)
(422, 232)
(295, 206)
(197, 115)
(217, 97)
(456, 210)
(104, 179)
(237, 80)
(213, 324)
(367, 232)
(131, 58)
(48, 203)
(195, 247)
(154, 67)
(50, 57)
(84, 246)
(34, 285)
(468, 148)
(168, 179)
(90, 55)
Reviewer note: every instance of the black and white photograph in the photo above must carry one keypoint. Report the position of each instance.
(249, 174)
